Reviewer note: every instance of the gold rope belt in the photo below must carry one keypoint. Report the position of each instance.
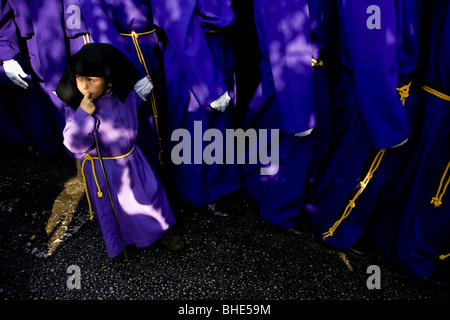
(135, 36)
(437, 199)
(99, 191)
(404, 93)
(436, 93)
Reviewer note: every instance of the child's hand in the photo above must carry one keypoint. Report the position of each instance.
(87, 104)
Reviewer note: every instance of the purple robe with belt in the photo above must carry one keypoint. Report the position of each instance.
(141, 204)
(198, 66)
(414, 230)
(379, 50)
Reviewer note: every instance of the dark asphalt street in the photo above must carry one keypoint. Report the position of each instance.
(51, 251)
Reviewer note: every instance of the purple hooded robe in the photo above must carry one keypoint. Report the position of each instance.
(143, 210)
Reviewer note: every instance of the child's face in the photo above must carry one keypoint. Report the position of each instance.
(96, 86)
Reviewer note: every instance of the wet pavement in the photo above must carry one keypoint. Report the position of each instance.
(51, 251)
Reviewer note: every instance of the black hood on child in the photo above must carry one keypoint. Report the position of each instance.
(97, 60)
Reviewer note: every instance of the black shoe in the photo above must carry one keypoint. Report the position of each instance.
(219, 210)
(172, 241)
(362, 249)
(32, 151)
(299, 230)
(357, 253)
(26, 151)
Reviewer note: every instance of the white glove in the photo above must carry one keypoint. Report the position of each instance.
(143, 88)
(15, 73)
(400, 144)
(304, 133)
(221, 103)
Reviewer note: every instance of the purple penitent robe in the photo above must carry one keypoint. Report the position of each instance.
(199, 69)
(141, 204)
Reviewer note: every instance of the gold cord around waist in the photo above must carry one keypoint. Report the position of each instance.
(436, 93)
(134, 35)
(437, 199)
(99, 191)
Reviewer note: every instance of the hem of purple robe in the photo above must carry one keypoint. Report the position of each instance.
(114, 252)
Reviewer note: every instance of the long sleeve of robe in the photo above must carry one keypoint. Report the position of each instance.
(9, 47)
(369, 35)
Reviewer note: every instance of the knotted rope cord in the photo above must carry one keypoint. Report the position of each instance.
(404, 93)
(437, 199)
(140, 55)
(363, 185)
(90, 158)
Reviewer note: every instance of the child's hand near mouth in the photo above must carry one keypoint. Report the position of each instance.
(87, 103)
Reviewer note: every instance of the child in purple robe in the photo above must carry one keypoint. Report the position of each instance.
(130, 27)
(98, 87)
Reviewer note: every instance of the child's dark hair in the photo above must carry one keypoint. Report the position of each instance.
(97, 60)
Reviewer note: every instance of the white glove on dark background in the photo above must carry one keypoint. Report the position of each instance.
(221, 103)
(143, 88)
(304, 133)
(400, 144)
(15, 73)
